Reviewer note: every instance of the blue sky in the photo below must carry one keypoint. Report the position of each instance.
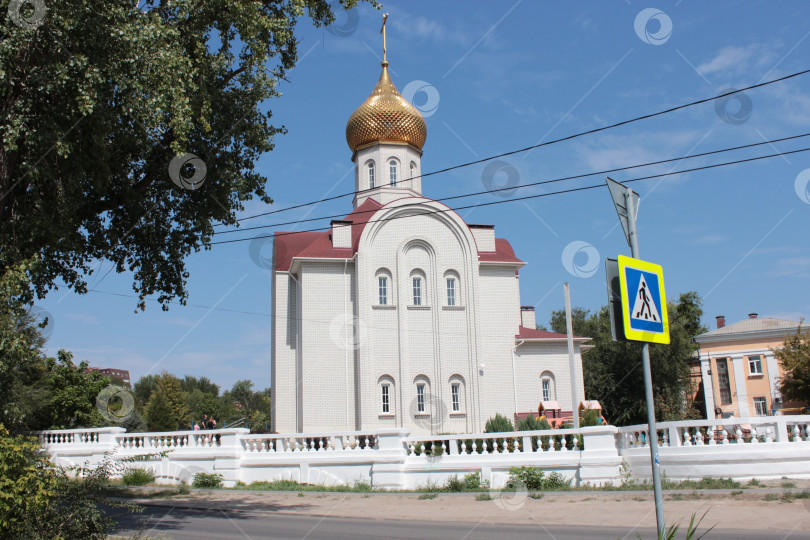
(492, 77)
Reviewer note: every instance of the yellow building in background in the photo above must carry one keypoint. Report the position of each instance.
(738, 371)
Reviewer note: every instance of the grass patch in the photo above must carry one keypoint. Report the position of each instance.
(789, 496)
(483, 497)
(788, 484)
(736, 492)
(427, 496)
(292, 485)
(754, 483)
(537, 495)
(771, 497)
(207, 481)
(138, 477)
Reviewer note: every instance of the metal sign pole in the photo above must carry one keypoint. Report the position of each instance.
(652, 432)
(571, 360)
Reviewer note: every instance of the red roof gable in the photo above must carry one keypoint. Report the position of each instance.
(503, 253)
(319, 244)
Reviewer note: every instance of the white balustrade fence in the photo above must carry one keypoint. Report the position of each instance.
(392, 459)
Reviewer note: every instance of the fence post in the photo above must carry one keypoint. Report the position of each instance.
(600, 461)
(388, 468)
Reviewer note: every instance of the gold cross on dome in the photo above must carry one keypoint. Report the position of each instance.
(382, 31)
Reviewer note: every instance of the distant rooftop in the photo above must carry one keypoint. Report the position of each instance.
(753, 325)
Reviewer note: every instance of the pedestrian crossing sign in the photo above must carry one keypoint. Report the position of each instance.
(644, 302)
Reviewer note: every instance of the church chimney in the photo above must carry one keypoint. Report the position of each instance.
(721, 321)
(341, 233)
(527, 319)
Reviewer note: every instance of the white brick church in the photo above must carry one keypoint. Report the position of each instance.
(403, 315)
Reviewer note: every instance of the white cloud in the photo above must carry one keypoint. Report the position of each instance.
(733, 60)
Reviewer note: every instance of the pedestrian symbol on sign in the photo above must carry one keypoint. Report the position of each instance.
(644, 307)
(644, 304)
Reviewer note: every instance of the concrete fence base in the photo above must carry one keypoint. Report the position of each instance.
(766, 447)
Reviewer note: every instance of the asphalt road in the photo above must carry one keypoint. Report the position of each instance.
(182, 523)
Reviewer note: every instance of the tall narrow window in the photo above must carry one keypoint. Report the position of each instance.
(451, 291)
(546, 389)
(420, 397)
(417, 291)
(386, 398)
(383, 290)
(413, 169)
(392, 171)
(455, 394)
(723, 381)
(371, 175)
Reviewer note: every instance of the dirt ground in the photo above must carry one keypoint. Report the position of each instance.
(748, 509)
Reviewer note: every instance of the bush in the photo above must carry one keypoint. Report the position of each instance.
(534, 479)
(530, 477)
(470, 482)
(531, 423)
(498, 424)
(138, 477)
(209, 481)
(39, 500)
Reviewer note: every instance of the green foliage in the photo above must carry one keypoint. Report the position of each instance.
(107, 95)
(794, 358)
(159, 415)
(167, 409)
(483, 497)
(589, 417)
(534, 479)
(427, 496)
(532, 423)
(40, 501)
(498, 424)
(613, 373)
(470, 482)
(138, 477)
(208, 481)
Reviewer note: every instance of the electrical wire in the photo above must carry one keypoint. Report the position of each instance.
(547, 143)
(572, 190)
(565, 178)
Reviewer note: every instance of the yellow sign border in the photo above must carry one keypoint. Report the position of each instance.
(652, 268)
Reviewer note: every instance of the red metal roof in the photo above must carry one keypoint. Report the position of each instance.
(319, 244)
(503, 253)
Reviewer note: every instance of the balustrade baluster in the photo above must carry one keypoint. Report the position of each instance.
(723, 435)
(687, 440)
(768, 435)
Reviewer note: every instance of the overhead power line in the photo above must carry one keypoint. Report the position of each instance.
(572, 190)
(547, 143)
(565, 178)
(182, 304)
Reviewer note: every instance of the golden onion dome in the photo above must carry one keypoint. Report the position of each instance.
(385, 117)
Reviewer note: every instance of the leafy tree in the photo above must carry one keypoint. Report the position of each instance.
(159, 414)
(203, 384)
(72, 393)
(612, 370)
(794, 357)
(98, 101)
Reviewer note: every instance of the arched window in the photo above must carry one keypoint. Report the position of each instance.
(384, 290)
(386, 383)
(419, 296)
(547, 386)
(456, 394)
(392, 171)
(452, 288)
(422, 401)
(382, 286)
(417, 291)
(413, 169)
(370, 174)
